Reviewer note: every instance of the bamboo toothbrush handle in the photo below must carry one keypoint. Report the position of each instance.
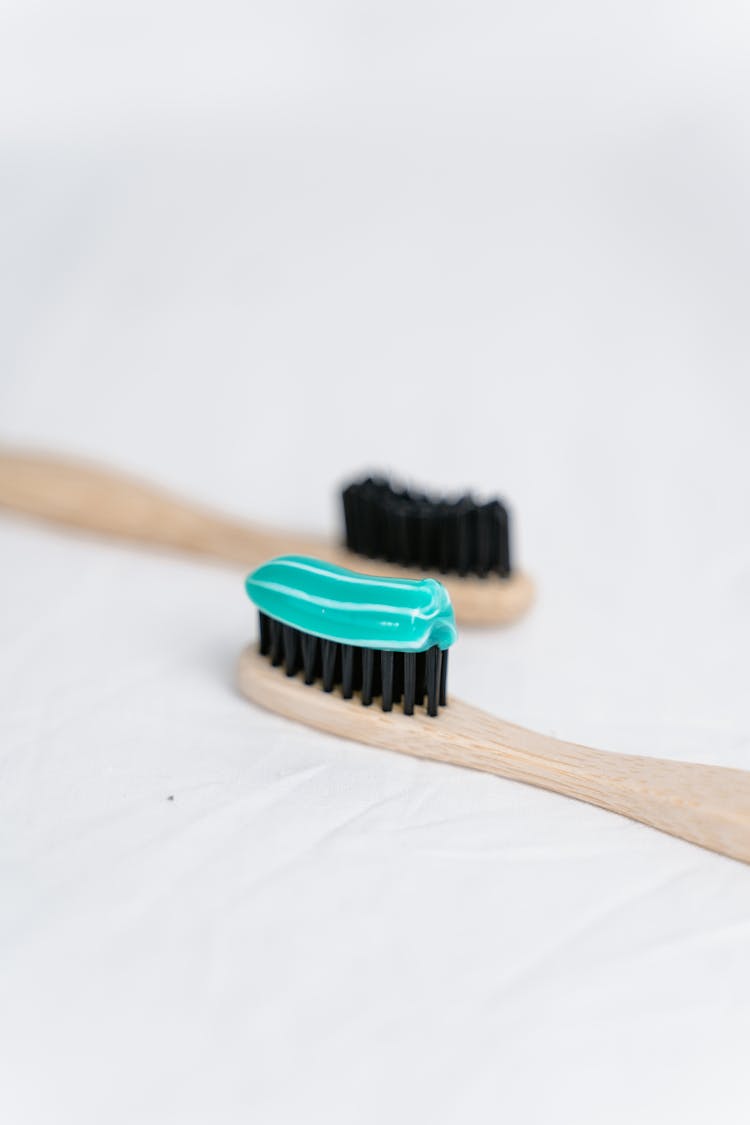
(708, 805)
(101, 500)
(110, 503)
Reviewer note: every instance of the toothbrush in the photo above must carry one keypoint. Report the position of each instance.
(399, 530)
(367, 638)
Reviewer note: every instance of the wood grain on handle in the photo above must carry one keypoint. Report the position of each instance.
(707, 805)
(95, 499)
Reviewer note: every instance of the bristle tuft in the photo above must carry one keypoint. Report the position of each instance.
(392, 677)
(405, 527)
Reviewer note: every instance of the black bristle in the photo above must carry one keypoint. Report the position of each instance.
(501, 537)
(347, 671)
(432, 679)
(309, 653)
(357, 676)
(463, 536)
(419, 680)
(368, 662)
(446, 534)
(329, 664)
(410, 672)
(277, 642)
(460, 536)
(425, 527)
(291, 650)
(318, 672)
(394, 677)
(351, 515)
(443, 696)
(377, 679)
(482, 564)
(264, 627)
(398, 676)
(401, 533)
(386, 676)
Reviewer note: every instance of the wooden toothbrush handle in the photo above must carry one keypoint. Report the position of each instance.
(100, 500)
(708, 805)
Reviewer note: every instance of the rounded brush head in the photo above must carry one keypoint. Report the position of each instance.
(379, 637)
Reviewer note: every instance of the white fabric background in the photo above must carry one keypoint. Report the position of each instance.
(245, 252)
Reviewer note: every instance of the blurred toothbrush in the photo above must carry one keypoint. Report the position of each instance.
(388, 531)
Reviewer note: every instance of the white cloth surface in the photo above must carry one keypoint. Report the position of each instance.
(246, 252)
